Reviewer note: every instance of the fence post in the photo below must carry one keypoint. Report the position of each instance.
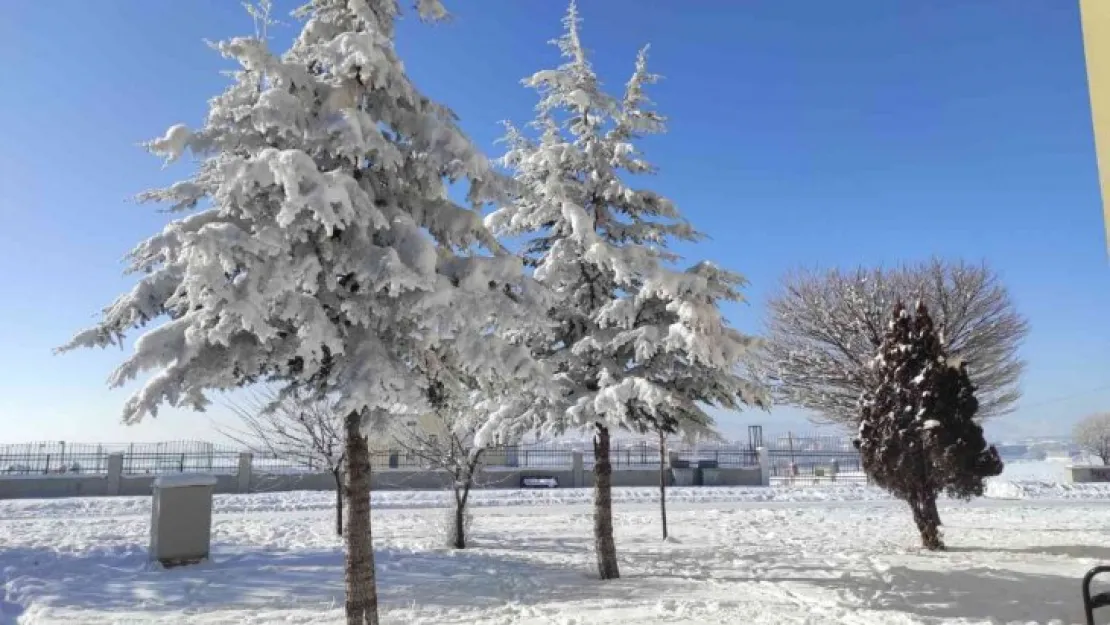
(244, 473)
(115, 474)
(578, 468)
(764, 465)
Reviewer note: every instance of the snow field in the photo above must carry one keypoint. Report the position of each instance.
(773, 561)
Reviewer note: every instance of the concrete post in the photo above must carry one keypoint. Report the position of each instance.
(244, 473)
(764, 465)
(578, 468)
(115, 474)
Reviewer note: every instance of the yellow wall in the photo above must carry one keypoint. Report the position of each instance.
(1095, 15)
(389, 441)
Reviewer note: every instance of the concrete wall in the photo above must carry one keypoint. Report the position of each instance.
(499, 478)
(510, 478)
(627, 477)
(269, 483)
(140, 485)
(1081, 474)
(46, 486)
(735, 477)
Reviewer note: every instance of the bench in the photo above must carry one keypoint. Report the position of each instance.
(539, 481)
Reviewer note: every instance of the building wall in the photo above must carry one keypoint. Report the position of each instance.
(1095, 15)
(389, 439)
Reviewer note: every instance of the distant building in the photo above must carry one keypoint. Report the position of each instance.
(403, 431)
(428, 429)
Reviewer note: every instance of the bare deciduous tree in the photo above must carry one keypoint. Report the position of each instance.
(451, 445)
(294, 428)
(824, 327)
(1092, 434)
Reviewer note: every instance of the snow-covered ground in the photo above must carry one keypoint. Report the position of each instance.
(1036, 470)
(830, 554)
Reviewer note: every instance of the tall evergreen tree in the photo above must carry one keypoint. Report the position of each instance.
(322, 252)
(632, 334)
(917, 433)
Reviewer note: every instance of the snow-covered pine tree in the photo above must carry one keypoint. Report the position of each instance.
(635, 340)
(321, 251)
(917, 433)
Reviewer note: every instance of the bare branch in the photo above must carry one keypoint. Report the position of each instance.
(291, 427)
(823, 327)
(1092, 434)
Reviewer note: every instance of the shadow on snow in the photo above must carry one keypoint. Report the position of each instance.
(238, 578)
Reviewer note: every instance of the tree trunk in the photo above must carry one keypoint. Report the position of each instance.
(459, 541)
(462, 496)
(362, 592)
(338, 502)
(458, 525)
(927, 519)
(663, 481)
(604, 543)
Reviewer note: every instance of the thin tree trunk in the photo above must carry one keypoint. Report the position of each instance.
(362, 592)
(338, 475)
(460, 532)
(663, 481)
(458, 540)
(927, 519)
(604, 543)
(462, 497)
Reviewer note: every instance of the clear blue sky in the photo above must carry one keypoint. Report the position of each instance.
(802, 133)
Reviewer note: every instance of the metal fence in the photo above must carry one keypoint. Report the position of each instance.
(49, 458)
(44, 458)
(814, 460)
(791, 457)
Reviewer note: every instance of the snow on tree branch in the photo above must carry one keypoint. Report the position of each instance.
(635, 339)
(315, 246)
